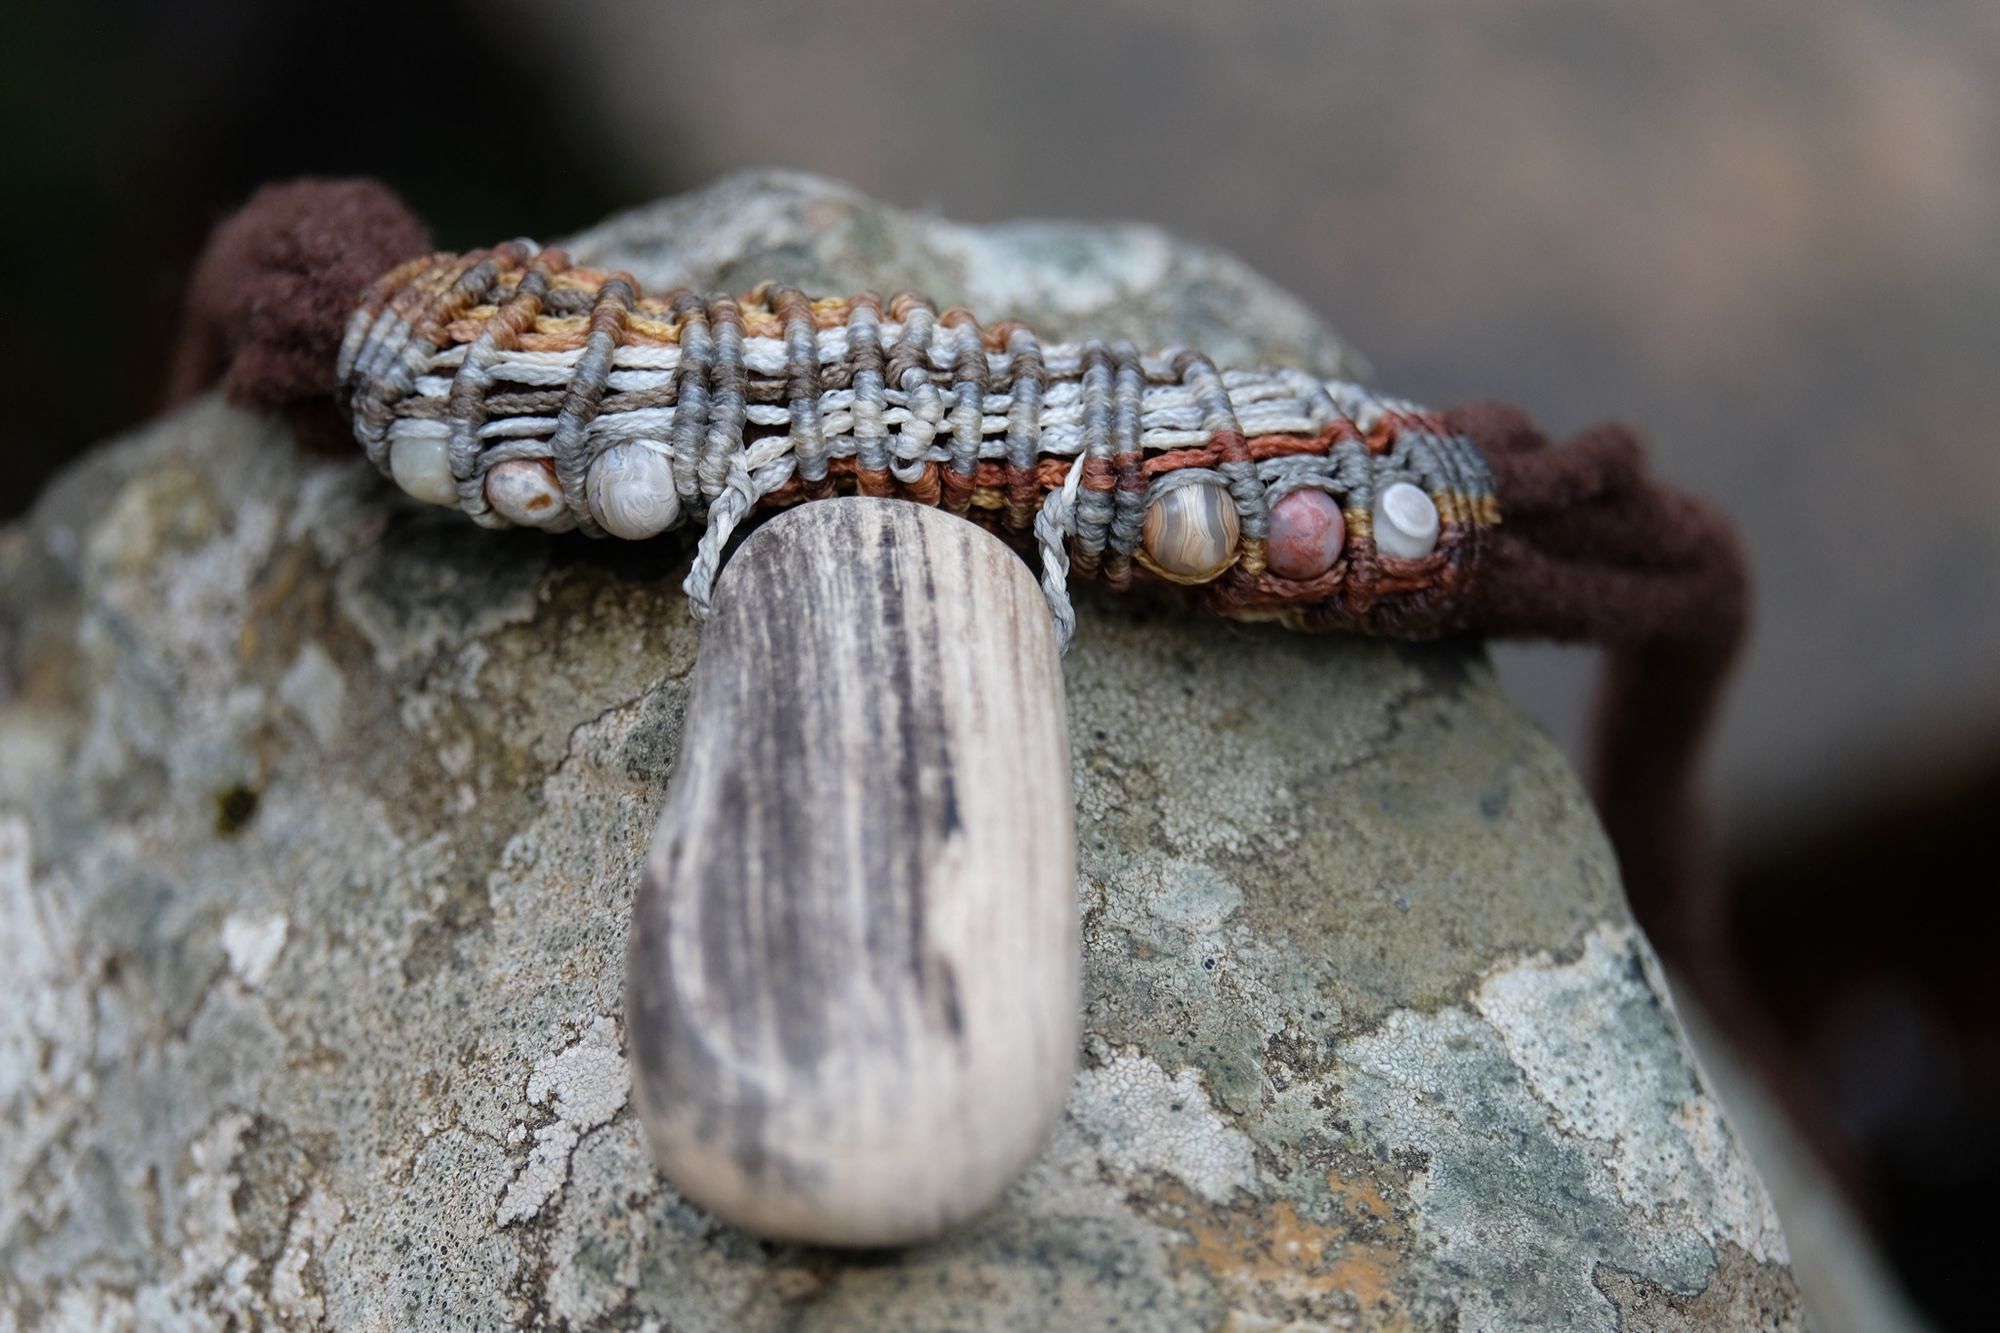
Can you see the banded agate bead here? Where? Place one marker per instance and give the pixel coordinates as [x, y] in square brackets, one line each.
[1307, 532]
[1406, 522]
[1190, 531]
[525, 491]
[630, 489]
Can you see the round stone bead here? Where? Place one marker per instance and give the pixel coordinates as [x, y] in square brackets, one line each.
[1190, 531]
[422, 467]
[1406, 522]
[631, 493]
[1307, 533]
[525, 491]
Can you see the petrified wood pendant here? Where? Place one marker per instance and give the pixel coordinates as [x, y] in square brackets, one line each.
[852, 994]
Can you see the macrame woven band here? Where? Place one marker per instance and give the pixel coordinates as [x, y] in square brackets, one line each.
[778, 398]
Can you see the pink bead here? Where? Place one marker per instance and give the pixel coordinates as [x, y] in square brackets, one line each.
[1307, 533]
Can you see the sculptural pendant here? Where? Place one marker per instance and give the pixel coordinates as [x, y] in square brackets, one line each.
[852, 995]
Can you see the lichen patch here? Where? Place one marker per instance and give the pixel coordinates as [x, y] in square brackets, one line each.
[1146, 1120]
[252, 945]
[1596, 1040]
[588, 1083]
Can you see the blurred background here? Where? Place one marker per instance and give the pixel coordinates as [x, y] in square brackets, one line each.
[1770, 235]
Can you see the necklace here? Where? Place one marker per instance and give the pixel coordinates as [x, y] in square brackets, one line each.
[526, 392]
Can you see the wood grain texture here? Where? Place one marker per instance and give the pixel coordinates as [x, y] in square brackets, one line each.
[853, 987]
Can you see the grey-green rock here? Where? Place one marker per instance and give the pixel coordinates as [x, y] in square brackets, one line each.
[320, 814]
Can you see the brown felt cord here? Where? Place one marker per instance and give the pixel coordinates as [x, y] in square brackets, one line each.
[270, 296]
[1590, 547]
[1593, 549]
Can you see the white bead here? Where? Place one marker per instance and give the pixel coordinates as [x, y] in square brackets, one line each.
[423, 469]
[631, 491]
[525, 491]
[1406, 522]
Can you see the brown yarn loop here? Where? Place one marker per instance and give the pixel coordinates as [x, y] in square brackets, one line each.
[1592, 548]
[272, 292]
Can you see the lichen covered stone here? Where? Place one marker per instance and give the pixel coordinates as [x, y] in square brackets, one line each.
[320, 813]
